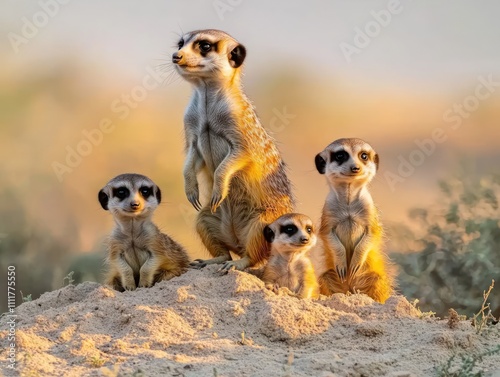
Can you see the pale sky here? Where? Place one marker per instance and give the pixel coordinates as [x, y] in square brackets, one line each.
[427, 44]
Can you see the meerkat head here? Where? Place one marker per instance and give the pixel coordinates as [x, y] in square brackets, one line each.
[130, 196]
[208, 54]
[291, 233]
[348, 160]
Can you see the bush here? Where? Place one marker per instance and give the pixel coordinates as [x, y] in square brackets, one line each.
[459, 252]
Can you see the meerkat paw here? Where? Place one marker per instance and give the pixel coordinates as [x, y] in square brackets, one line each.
[129, 287]
[341, 272]
[354, 269]
[273, 287]
[200, 263]
[145, 283]
[239, 264]
[128, 283]
[216, 201]
[193, 196]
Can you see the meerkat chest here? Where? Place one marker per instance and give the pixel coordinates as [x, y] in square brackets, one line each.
[210, 120]
[294, 276]
[135, 251]
[350, 222]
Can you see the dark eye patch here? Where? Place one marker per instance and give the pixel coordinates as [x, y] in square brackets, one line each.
[205, 47]
[146, 191]
[340, 157]
[180, 44]
[289, 229]
[364, 156]
[121, 192]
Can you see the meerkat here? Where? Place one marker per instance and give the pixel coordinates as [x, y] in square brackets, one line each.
[351, 232]
[139, 255]
[225, 143]
[291, 237]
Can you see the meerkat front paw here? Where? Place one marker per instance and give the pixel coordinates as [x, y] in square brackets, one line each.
[341, 269]
[193, 196]
[129, 287]
[216, 200]
[239, 264]
[145, 282]
[273, 287]
[128, 283]
[354, 269]
[218, 196]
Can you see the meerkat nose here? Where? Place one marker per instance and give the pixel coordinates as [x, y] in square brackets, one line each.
[355, 169]
[135, 205]
[304, 239]
[176, 57]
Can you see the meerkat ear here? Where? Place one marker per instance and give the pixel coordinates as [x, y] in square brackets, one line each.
[103, 199]
[237, 56]
[376, 160]
[320, 163]
[268, 234]
[158, 194]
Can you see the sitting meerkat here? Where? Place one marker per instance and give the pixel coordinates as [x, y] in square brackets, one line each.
[291, 237]
[139, 255]
[245, 177]
[350, 232]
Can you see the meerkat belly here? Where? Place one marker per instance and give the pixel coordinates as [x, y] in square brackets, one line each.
[213, 149]
[291, 281]
[135, 256]
[349, 233]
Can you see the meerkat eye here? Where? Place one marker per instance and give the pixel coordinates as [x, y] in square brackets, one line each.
[121, 192]
[289, 229]
[309, 229]
[180, 44]
[340, 156]
[363, 156]
[145, 192]
[205, 46]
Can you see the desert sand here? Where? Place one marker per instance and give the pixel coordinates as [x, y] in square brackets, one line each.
[205, 324]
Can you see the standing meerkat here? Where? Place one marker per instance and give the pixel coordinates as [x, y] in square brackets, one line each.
[350, 232]
[291, 237]
[139, 255]
[225, 142]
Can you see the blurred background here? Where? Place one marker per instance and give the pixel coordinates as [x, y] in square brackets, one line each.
[87, 92]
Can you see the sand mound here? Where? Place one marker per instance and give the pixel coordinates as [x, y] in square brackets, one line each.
[204, 324]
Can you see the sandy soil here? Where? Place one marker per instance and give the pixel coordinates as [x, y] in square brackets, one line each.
[204, 324]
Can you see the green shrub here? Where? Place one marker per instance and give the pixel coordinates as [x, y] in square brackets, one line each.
[459, 252]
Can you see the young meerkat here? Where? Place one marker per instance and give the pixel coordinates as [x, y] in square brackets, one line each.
[291, 237]
[351, 233]
[139, 255]
[225, 142]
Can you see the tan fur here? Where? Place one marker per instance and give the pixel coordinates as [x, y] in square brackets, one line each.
[225, 142]
[139, 255]
[351, 233]
[289, 264]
